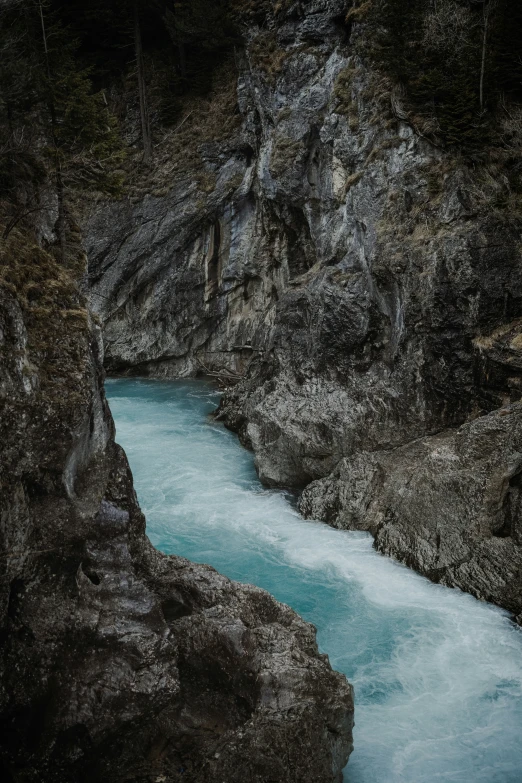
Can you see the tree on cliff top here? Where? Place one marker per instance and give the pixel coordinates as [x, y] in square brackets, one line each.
[51, 115]
[454, 57]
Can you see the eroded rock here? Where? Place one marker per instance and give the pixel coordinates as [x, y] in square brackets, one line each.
[366, 288]
[117, 662]
[448, 505]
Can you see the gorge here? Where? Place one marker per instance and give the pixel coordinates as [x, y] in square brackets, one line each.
[437, 675]
[317, 205]
[361, 283]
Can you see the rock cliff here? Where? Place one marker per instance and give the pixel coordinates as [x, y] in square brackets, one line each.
[116, 662]
[361, 283]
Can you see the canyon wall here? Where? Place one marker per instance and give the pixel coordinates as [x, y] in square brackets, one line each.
[117, 662]
[362, 285]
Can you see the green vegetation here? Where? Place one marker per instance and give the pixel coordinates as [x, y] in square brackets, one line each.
[458, 60]
[268, 56]
[85, 86]
[284, 153]
[53, 126]
[46, 296]
[92, 92]
[343, 90]
[171, 46]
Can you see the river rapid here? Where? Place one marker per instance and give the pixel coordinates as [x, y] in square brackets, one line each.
[437, 674]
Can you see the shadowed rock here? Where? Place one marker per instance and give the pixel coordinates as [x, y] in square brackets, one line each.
[117, 662]
[368, 293]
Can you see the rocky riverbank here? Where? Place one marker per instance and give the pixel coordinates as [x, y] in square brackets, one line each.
[118, 662]
[360, 282]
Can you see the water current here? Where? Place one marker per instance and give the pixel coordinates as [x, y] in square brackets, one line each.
[437, 674]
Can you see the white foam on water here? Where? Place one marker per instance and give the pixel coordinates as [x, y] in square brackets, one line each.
[437, 674]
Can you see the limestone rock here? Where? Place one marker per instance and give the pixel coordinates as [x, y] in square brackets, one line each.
[361, 281]
[117, 662]
[449, 505]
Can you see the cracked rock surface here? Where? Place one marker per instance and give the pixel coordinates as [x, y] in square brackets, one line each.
[119, 663]
[362, 284]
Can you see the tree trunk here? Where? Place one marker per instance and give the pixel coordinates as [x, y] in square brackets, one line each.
[144, 112]
[182, 61]
[60, 190]
[484, 49]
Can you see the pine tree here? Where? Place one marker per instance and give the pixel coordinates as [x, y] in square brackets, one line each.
[142, 87]
[73, 136]
[507, 44]
[201, 30]
[452, 57]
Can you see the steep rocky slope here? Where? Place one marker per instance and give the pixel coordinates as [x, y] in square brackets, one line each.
[118, 663]
[364, 285]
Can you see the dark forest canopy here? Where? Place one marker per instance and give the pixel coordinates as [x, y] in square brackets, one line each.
[184, 39]
[458, 63]
[457, 59]
[181, 42]
[60, 62]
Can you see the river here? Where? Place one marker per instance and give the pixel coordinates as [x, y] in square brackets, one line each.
[437, 674]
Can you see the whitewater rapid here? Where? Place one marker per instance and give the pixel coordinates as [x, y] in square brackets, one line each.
[437, 674]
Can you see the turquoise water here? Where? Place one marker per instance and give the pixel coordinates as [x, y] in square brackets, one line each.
[437, 675]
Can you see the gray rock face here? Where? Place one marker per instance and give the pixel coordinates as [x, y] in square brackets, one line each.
[363, 284]
[117, 662]
[447, 505]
